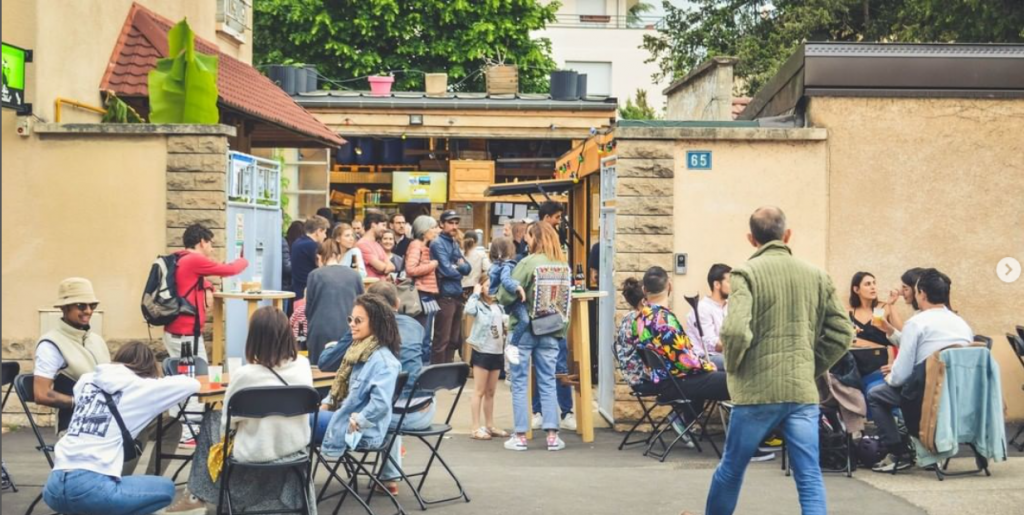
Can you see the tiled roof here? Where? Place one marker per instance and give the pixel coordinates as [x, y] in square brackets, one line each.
[242, 88]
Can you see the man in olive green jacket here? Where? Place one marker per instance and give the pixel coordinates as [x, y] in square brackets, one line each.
[785, 327]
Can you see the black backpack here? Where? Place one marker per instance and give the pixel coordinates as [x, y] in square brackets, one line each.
[161, 303]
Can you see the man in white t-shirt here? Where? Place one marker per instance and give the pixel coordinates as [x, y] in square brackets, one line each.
[712, 313]
[931, 330]
[70, 350]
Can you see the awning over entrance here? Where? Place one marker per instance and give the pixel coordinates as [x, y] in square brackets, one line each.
[244, 91]
[531, 188]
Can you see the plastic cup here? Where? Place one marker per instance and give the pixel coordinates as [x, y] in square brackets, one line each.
[216, 374]
[879, 317]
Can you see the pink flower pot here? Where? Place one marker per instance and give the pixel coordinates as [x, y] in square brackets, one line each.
[381, 86]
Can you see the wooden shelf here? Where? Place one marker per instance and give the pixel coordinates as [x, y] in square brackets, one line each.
[360, 178]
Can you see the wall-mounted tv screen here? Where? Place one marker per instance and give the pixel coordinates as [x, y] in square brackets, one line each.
[419, 187]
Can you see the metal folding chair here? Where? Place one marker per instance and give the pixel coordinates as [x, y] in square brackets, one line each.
[25, 389]
[681, 407]
[263, 402]
[362, 466]
[980, 338]
[1017, 344]
[10, 371]
[646, 410]
[170, 366]
[432, 379]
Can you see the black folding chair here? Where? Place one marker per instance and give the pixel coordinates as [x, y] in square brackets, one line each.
[432, 379]
[271, 401]
[1017, 344]
[25, 389]
[980, 338]
[646, 410]
[10, 371]
[170, 366]
[363, 466]
[682, 407]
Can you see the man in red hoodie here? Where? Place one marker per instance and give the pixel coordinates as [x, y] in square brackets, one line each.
[194, 264]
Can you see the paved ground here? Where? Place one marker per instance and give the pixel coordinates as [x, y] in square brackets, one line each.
[597, 479]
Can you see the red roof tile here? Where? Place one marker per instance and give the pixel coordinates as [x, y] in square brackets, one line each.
[143, 40]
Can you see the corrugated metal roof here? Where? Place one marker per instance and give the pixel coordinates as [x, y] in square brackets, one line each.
[143, 40]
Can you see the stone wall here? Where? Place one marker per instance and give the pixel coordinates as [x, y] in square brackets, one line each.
[703, 94]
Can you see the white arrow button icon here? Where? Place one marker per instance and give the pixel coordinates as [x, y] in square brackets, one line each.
[1008, 270]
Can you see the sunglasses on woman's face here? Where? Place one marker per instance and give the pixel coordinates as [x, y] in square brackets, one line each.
[355, 320]
[81, 306]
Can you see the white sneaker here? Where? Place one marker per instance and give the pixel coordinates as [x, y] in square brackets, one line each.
[555, 443]
[512, 354]
[538, 421]
[568, 423]
[516, 443]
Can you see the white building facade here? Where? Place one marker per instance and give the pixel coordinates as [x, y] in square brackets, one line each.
[598, 38]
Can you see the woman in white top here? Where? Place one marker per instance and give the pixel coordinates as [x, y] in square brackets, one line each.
[86, 477]
[346, 237]
[273, 360]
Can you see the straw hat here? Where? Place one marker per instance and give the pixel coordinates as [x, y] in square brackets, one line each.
[75, 290]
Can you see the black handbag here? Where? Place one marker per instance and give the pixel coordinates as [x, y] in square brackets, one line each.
[132, 449]
[547, 324]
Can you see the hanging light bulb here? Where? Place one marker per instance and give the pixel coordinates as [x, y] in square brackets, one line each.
[359, 151]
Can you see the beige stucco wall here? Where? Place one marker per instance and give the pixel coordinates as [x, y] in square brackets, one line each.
[713, 207]
[79, 206]
[934, 183]
[73, 42]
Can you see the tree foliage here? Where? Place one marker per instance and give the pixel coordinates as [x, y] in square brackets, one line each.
[349, 39]
[638, 110]
[763, 33]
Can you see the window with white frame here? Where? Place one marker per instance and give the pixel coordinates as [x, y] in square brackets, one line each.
[234, 15]
[599, 76]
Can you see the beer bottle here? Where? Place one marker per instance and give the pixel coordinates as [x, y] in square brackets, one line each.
[580, 282]
[182, 362]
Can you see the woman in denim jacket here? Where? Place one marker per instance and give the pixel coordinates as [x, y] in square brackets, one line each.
[358, 410]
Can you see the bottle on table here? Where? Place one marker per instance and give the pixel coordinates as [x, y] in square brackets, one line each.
[182, 360]
[579, 282]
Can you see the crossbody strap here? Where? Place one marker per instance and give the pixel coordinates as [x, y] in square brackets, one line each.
[272, 371]
[127, 442]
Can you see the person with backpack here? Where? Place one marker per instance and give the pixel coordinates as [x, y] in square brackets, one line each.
[113, 405]
[547, 280]
[194, 264]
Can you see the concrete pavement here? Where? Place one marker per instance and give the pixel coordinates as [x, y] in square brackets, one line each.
[598, 479]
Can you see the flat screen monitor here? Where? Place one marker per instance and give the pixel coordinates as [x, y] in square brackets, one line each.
[419, 187]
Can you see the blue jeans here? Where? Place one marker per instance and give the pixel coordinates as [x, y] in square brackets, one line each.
[428, 332]
[544, 350]
[564, 392]
[748, 427]
[88, 493]
[518, 312]
[413, 421]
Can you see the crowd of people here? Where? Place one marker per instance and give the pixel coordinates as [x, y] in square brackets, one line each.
[378, 297]
[373, 298]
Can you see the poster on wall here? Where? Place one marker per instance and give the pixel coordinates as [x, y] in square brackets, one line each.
[14, 78]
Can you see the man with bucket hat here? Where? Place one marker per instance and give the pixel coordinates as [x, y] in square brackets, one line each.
[71, 349]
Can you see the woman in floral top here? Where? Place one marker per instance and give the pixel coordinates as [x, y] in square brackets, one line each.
[658, 328]
[630, 365]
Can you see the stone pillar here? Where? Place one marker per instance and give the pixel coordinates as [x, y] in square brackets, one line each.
[197, 193]
[644, 235]
[703, 94]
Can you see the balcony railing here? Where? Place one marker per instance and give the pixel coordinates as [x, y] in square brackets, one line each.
[606, 21]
